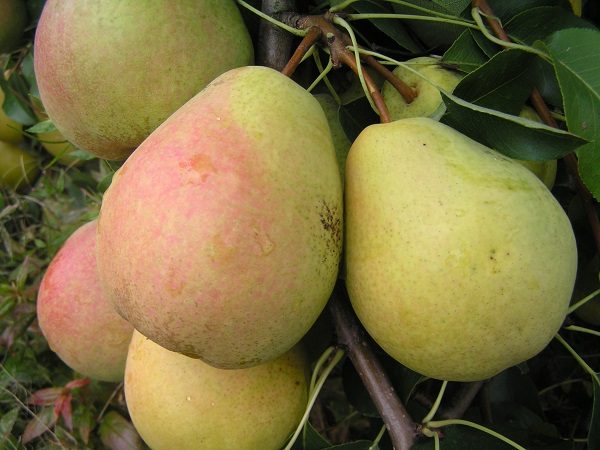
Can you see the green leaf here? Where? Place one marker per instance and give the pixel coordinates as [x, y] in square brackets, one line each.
[358, 445]
[594, 433]
[486, 46]
[14, 107]
[453, 6]
[539, 23]
[29, 74]
[356, 392]
[310, 439]
[511, 135]
[505, 9]
[576, 57]
[503, 83]
[117, 433]
[7, 422]
[464, 438]
[394, 29]
[42, 127]
[465, 54]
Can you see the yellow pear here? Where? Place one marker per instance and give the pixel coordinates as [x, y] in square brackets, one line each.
[176, 402]
[10, 131]
[428, 99]
[460, 263]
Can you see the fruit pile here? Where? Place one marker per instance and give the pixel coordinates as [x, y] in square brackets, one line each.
[219, 241]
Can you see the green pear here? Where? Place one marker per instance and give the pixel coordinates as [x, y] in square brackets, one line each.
[110, 71]
[460, 263]
[13, 20]
[76, 318]
[340, 140]
[544, 170]
[220, 236]
[10, 131]
[18, 168]
[429, 99]
[176, 402]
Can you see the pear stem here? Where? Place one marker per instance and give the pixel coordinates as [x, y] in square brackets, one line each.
[408, 93]
[544, 112]
[313, 35]
[402, 429]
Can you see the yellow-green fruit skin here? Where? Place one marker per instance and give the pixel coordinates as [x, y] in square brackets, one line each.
[176, 402]
[13, 20]
[460, 263]
[110, 71]
[17, 167]
[340, 140]
[428, 98]
[56, 144]
[10, 131]
[220, 236]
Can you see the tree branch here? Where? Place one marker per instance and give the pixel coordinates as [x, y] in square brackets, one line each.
[462, 400]
[274, 45]
[401, 427]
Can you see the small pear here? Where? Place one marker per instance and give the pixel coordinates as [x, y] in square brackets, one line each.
[13, 20]
[429, 99]
[176, 402]
[10, 131]
[18, 168]
[77, 319]
[460, 263]
[220, 236]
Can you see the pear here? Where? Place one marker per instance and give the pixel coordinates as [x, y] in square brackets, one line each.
[428, 100]
[110, 71]
[176, 402]
[10, 131]
[460, 263]
[77, 319]
[340, 140]
[13, 20]
[18, 168]
[220, 236]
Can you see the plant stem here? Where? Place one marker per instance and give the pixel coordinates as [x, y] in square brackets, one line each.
[463, 399]
[578, 358]
[583, 330]
[313, 35]
[583, 301]
[436, 404]
[452, 21]
[444, 423]
[401, 427]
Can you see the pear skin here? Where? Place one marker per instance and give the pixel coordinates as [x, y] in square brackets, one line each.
[110, 71]
[13, 20]
[220, 236]
[18, 168]
[76, 318]
[176, 402]
[460, 263]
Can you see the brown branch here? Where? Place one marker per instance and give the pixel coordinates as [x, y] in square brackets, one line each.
[544, 112]
[274, 45]
[401, 428]
[313, 35]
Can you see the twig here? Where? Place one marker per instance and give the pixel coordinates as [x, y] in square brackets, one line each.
[404, 89]
[544, 112]
[313, 35]
[274, 45]
[402, 429]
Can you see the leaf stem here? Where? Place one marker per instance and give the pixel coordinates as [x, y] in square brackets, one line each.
[323, 73]
[436, 404]
[330, 87]
[583, 301]
[583, 330]
[273, 21]
[453, 21]
[578, 358]
[444, 423]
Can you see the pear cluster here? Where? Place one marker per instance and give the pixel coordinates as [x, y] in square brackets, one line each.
[219, 240]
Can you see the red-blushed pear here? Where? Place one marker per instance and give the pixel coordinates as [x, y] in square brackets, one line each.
[220, 236]
[110, 71]
[459, 261]
[177, 402]
[13, 20]
[76, 318]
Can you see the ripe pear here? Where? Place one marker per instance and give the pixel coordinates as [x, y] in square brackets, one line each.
[17, 167]
[340, 140]
[220, 236]
[110, 71]
[77, 319]
[13, 20]
[429, 99]
[177, 402]
[544, 170]
[460, 263]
